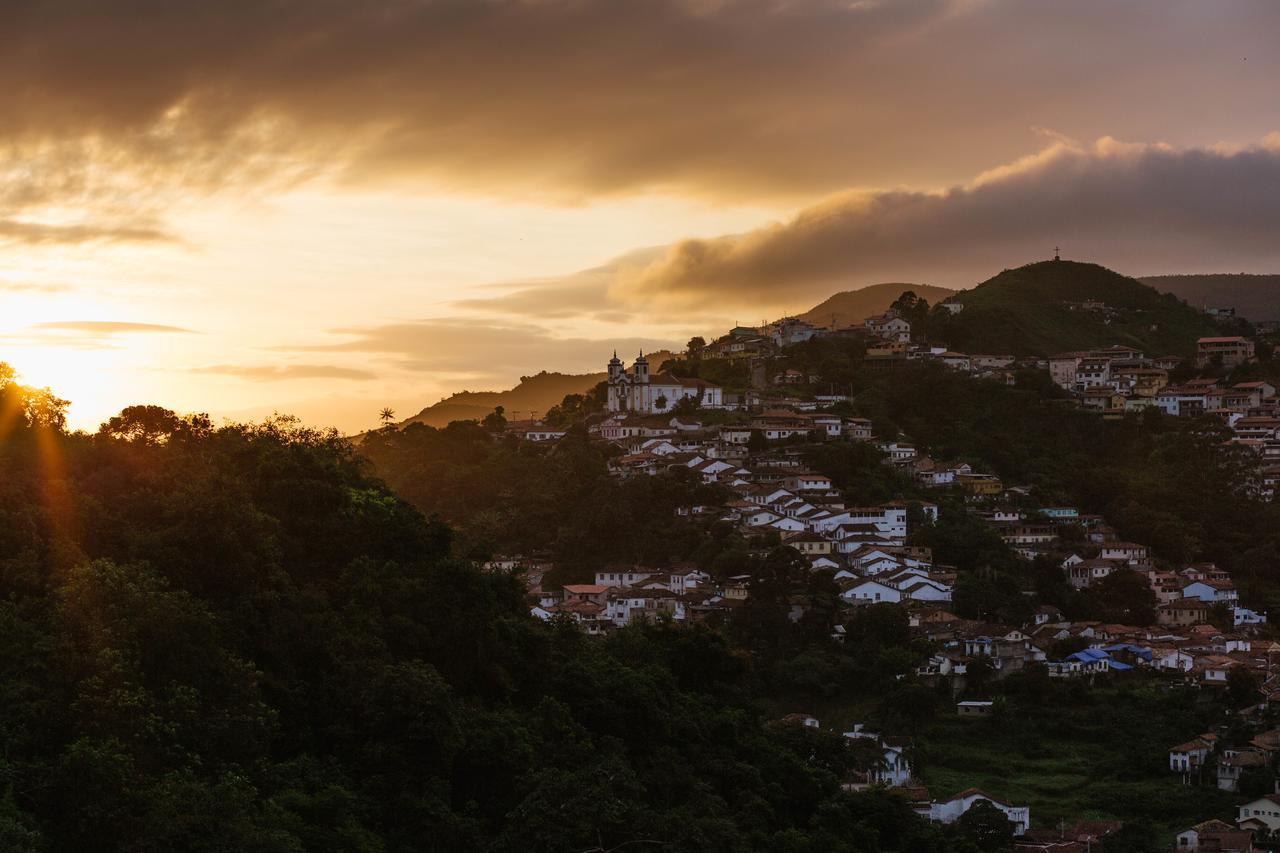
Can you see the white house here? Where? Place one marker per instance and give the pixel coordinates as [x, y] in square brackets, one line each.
[925, 589]
[1265, 811]
[872, 592]
[1245, 616]
[616, 576]
[895, 767]
[950, 810]
[890, 327]
[1189, 756]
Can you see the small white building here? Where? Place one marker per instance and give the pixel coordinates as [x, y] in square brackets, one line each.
[872, 592]
[1264, 811]
[950, 810]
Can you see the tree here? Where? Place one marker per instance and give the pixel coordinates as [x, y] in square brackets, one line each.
[1126, 597]
[756, 442]
[978, 674]
[387, 415]
[987, 827]
[496, 420]
[686, 406]
[660, 402]
[913, 309]
[151, 425]
[1242, 686]
[696, 345]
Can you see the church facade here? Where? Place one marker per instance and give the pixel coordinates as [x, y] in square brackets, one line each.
[655, 394]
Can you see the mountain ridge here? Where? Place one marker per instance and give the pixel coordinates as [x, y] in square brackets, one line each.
[1254, 296]
[852, 307]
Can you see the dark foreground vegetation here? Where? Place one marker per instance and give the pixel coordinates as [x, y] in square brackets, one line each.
[233, 639]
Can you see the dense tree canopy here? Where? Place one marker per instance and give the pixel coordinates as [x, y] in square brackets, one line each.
[234, 639]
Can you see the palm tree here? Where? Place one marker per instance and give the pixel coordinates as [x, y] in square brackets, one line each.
[387, 415]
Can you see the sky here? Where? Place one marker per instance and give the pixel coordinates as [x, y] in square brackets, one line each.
[324, 207]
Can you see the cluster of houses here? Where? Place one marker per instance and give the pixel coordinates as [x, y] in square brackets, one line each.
[864, 546]
[772, 490]
[1199, 654]
[1207, 758]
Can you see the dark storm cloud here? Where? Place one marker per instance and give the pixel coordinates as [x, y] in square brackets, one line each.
[1139, 208]
[1142, 209]
[727, 98]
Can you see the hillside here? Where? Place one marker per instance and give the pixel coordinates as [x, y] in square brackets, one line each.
[851, 307]
[1038, 310]
[1255, 297]
[534, 394]
[531, 398]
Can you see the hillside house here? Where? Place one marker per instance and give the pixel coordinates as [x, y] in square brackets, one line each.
[1183, 612]
[950, 809]
[872, 592]
[1230, 351]
[1124, 552]
[1214, 836]
[1211, 591]
[1234, 763]
[1192, 755]
[889, 327]
[1260, 814]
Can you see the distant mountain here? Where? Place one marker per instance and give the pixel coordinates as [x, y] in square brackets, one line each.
[534, 394]
[1255, 297]
[851, 307]
[1039, 309]
[531, 398]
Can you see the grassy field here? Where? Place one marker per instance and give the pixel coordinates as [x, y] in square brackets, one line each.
[1101, 757]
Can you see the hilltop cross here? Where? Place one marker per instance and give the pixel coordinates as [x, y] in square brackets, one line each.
[1055, 254]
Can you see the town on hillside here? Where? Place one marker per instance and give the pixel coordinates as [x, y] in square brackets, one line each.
[751, 434]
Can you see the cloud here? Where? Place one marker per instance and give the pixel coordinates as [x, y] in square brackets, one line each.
[1140, 208]
[86, 334]
[573, 98]
[276, 373]
[109, 327]
[36, 233]
[31, 287]
[484, 351]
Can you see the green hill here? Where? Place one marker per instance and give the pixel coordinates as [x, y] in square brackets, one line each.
[1058, 306]
[531, 398]
[1255, 297]
[534, 394]
[851, 307]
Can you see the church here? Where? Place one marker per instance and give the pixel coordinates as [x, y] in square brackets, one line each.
[655, 394]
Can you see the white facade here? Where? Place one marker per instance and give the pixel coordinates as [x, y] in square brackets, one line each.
[872, 592]
[641, 392]
[949, 811]
[1265, 810]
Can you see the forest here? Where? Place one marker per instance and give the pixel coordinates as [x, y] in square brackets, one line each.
[235, 638]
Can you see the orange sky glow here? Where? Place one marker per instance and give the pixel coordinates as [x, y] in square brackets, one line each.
[332, 206]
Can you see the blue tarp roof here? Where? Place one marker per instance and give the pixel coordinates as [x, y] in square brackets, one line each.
[1145, 654]
[1115, 664]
